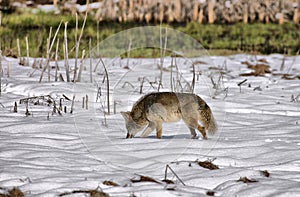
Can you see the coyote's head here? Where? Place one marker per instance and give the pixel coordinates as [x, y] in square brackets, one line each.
[131, 126]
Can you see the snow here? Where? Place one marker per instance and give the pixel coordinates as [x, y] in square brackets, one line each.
[45, 154]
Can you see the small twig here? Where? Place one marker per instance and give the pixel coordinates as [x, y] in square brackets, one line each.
[128, 51]
[107, 86]
[105, 122]
[27, 113]
[46, 98]
[166, 173]
[241, 83]
[171, 76]
[86, 102]
[295, 98]
[282, 63]
[115, 107]
[127, 83]
[67, 98]
[213, 83]
[72, 106]
[99, 94]
[83, 102]
[60, 104]
[193, 81]
[54, 108]
[141, 84]
[8, 69]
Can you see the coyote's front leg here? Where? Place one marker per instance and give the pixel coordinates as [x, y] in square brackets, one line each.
[158, 130]
[149, 129]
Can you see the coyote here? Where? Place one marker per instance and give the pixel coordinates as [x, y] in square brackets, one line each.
[156, 108]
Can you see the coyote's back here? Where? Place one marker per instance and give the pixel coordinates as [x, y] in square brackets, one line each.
[156, 108]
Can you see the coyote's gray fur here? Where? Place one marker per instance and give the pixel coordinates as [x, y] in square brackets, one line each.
[156, 108]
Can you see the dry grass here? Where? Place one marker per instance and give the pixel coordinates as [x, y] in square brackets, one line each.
[168, 181]
[15, 192]
[260, 69]
[208, 164]
[210, 193]
[265, 173]
[144, 179]
[110, 183]
[246, 180]
[93, 193]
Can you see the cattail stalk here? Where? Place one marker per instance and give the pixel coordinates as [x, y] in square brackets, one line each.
[296, 15]
[48, 54]
[195, 10]
[211, 17]
[18, 46]
[86, 102]
[76, 48]
[245, 14]
[27, 50]
[49, 48]
[90, 56]
[72, 106]
[66, 53]
[15, 108]
[56, 59]
[8, 69]
[81, 66]
[79, 39]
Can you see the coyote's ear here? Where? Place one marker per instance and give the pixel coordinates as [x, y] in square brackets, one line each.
[126, 115]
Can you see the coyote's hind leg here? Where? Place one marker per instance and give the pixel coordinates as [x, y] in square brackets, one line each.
[193, 124]
[193, 133]
[202, 130]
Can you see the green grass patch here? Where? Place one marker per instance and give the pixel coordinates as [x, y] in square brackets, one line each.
[218, 39]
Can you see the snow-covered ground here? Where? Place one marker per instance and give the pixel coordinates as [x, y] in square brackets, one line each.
[47, 154]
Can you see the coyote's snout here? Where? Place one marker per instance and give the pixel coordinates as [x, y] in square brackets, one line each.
[156, 108]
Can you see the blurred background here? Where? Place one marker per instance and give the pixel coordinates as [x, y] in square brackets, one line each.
[223, 27]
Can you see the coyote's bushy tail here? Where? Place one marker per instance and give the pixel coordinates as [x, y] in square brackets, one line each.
[207, 117]
[212, 125]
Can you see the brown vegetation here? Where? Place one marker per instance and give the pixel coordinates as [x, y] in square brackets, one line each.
[265, 173]
[260, 69]
[247, 180]
[144, 179]
[205, 11]
[93, 193]
[208, 164]
[110, 183]
[14, 192]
